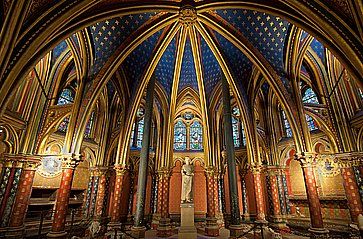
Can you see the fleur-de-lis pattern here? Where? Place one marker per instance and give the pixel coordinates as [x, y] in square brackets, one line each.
[188, 76]
[165, 70]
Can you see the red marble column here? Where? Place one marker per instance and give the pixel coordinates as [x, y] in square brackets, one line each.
[101, 192]
[212, 228]
[120, 172]
[260, 202]
[164, 229]
[59, 219]
[307, 162]
[23, 193]
[351, 190]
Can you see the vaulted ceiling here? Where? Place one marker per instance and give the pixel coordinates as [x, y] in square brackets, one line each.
[244, 36]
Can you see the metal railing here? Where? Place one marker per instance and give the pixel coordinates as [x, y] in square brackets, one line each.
[44, 218]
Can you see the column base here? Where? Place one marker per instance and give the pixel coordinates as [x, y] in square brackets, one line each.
[111, 226]
[58, 235]
[155, 221]
[319, 233]
[212, 228]
[235, 231]
[138, 232]
[278, 222]
[15, 232]
[164, 229]
[246, 217]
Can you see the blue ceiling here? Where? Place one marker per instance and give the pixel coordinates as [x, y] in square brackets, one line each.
[58, 50]
[267, 33]
[164, 71]
[211, 69]
[108, 35]
[319, 49]
[136, 63]
[188, 76]
[239, 65]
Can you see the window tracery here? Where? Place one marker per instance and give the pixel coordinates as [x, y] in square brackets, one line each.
[286, 125]
[196, 136]
[63, 126]
[239, 136]
[88, 131]
[180, 135]
[311, 123]
[309, 96]
[66, 97]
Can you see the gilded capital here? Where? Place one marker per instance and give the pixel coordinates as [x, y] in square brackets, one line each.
[211, 171]
[257, 168]
[71, 161]
[347, 160]
[164, 172]
[306, 159]
[120, 170]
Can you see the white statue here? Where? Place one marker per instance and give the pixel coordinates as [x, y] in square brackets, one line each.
[187, 181]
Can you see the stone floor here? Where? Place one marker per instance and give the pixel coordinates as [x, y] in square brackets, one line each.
[224, 234]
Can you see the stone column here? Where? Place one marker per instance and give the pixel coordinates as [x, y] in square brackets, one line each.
[87, 198]
[259, 197]
[212, 228]
[120, 172]
[164, 229]
[246, 215]
[100, 200]
[307, 162]
[235, 224]
[12, 171]
[274, 199]
[351, 188]
[69, 164]
[139, 225]
[22, 198]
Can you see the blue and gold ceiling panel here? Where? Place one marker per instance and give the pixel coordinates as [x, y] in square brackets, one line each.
[238, 63]
[136, 63]
[319, 49]
[211, 69]
[108, 35]
[164, 72]
[267, 33]
[188, 76]
[58, 50]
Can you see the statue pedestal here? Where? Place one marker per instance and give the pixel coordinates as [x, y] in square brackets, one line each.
[187, 228]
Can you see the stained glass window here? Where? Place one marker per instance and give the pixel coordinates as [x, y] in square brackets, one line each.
[66, 97]
[243, 136]
[196, 136]
[311, 123]
[361, 93]
[64, 125]
[180, 136]
[140, 131]
[286, 124]
[188, 116]
[132, 135]
[236, 135]
[309, 96]
[87, 132]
